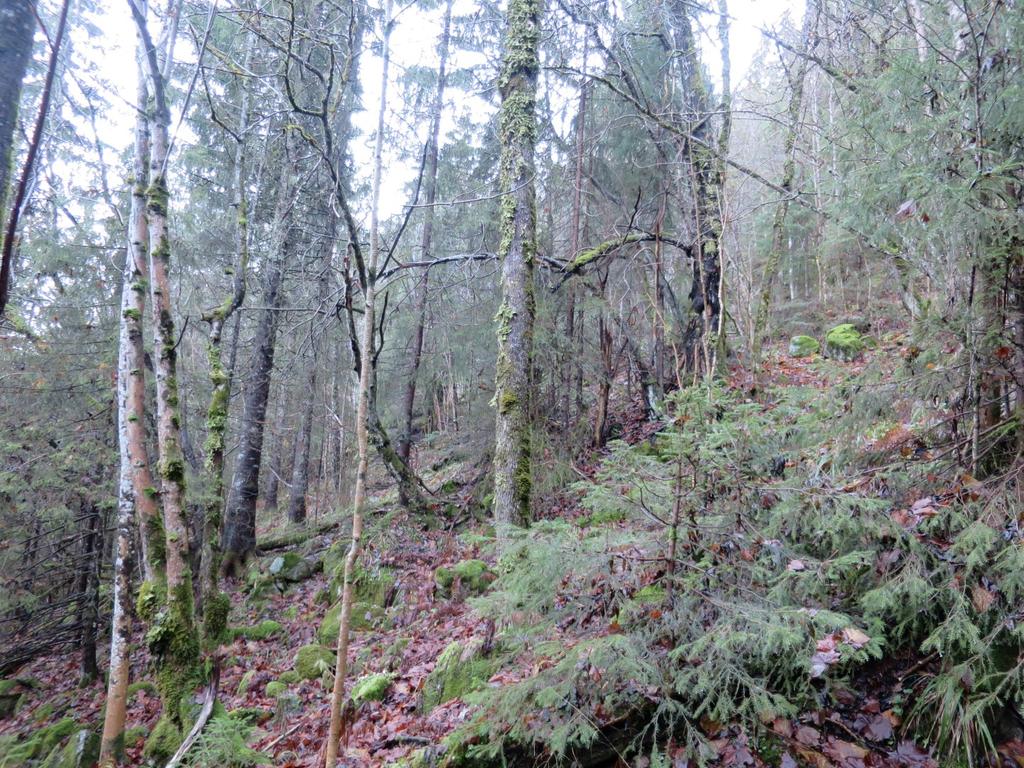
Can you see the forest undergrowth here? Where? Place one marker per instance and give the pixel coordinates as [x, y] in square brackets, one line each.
[782, 571]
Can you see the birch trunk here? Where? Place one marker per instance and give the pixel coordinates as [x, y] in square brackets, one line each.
[362, 412]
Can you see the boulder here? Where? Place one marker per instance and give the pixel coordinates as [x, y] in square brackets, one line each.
[371, 687]
[81, 751]
[844, 342]
[312, 660]
[803, 346]
[471, 577]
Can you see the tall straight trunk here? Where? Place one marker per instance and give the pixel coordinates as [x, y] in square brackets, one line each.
[362, 413]
[771, 266]
[214, 604]
[135, 484]
[274, 469]
[17, 29]
[570, 364]
[303, 439]
[175, 647]
[426, 240]
[518, 131]
[239, 541]
[88, 586]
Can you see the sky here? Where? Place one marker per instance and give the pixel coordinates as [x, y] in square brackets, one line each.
[414, 42]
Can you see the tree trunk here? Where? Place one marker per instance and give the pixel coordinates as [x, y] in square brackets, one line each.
[88, 582]
[771, 266]
[239, 540]
[215, 604]
[303, 439]
[136, 493]
[517, 130]
[362, 413]
[17, 29]
[176, 645]
[426, 240]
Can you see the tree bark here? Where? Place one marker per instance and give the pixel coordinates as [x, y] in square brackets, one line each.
[517, 130]
[426, 240]
[771, 266]
[362, 413]
[239, 541]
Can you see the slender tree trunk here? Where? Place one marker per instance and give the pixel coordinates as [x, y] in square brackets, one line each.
[215, 604]
[517, 130]
[92, 546]
[274, 469]
[362, 413]
[240, 514]
[771, 266]
[303, 439]
[426, 240]
[136, 493]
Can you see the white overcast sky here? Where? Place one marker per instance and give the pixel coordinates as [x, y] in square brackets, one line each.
[414, 41]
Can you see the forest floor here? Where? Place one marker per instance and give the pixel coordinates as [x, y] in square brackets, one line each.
[855, 729]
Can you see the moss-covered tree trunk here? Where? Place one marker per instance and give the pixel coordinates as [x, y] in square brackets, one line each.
[214, 604]
[167, 606]
[239, 541]
[517, 131]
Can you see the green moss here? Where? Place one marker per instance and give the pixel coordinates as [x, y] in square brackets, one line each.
[291, 677]
[250, 715]
[163, 742]
[150, 600]
[311, 661]
[133, 735]
[460, 669]
[844, 342]
[262, 631]
[42, 742]
[473, 576]
[365, 616]
[43, 712]
[131, 313]
[245, 682]
[371, 687]
[275, 688]
[215, 618]
[141, 685]
[803, 346]
[81, 751]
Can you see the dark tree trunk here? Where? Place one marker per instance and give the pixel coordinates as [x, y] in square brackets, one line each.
[88, 589]
[240, 513]
[273, 482]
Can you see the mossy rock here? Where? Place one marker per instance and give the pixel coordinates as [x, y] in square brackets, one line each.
[81, 751]
[42, 743]
[142, 685]
[11, 692]
[292, 567]
[844, 342]
[365, 616]
[803, 346]
[262, 631]
[471, 577]
[371, 687]
[275, 688]
[460, 669]
[312, 660]
[369, 585]
[43, 712]
[135, 734]
[291, 677]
